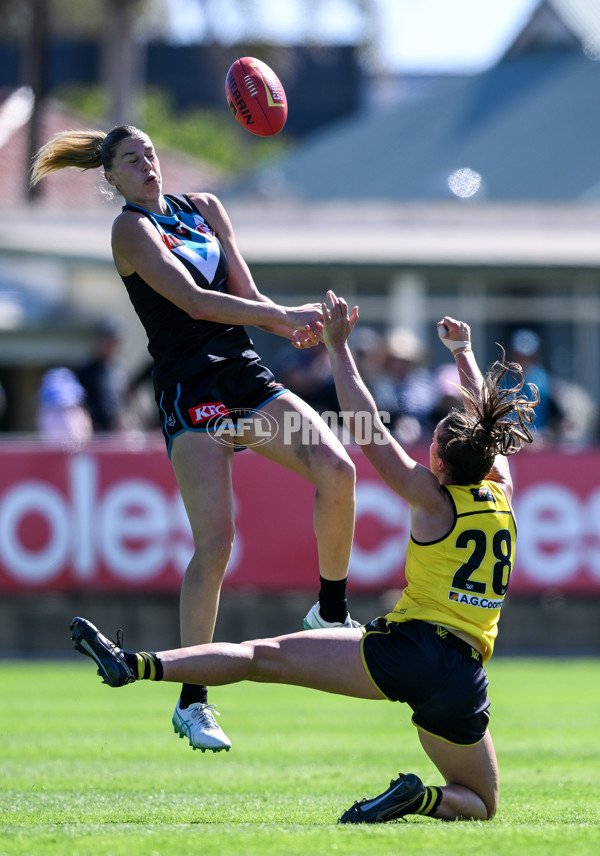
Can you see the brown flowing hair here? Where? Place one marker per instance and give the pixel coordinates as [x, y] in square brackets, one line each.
[499, 425]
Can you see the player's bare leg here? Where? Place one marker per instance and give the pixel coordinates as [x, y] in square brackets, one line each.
[471, 776]
[203, 471]
[305, 445]
[327, 660]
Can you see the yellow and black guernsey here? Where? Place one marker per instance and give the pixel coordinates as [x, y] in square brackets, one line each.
[460, 580]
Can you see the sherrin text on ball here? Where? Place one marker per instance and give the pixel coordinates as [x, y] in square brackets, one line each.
[256, 97]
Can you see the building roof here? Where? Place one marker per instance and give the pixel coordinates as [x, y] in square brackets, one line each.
[553, 24]
[528, 127]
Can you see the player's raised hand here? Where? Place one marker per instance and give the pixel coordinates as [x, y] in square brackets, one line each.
[455, 335]
[337, 323]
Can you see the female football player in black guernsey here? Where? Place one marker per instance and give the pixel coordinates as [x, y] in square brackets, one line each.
[193, 292]
[430, 650]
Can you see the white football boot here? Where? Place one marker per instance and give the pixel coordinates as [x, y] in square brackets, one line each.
[313, 620]
[197, 722]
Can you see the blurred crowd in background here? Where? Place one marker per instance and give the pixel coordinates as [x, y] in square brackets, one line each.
[395, 367]
[518, 231]
[77, 403]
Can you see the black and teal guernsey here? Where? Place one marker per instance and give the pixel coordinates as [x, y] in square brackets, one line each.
[180, 345]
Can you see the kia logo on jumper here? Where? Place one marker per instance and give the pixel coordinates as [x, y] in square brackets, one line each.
[242, 427]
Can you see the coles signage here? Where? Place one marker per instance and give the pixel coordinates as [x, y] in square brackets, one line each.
[110, 518]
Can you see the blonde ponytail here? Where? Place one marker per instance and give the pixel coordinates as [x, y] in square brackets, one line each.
[81, 149]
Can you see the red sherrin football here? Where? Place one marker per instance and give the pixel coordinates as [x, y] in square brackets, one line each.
[256, 97]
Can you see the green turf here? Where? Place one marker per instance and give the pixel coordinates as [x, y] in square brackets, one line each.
[91, 771]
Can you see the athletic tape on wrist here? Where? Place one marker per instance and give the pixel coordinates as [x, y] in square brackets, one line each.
[452, 344]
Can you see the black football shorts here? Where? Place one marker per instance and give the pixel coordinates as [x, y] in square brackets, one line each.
[445, 686]
[226, 390]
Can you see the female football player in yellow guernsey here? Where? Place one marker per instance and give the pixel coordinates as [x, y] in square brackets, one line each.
[429, 652]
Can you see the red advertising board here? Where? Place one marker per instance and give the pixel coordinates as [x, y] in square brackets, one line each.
[110, 518]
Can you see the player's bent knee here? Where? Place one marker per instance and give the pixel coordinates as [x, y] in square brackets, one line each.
[210, 560]
[489, 804]
[339, 468]
[491, 808]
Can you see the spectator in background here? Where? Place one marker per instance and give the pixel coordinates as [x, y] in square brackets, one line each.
[368, 350]
[525, 350]
[308, 374]
[2, 401]
[103, 380]
[62, 416]
[412, 385]
[140, 412]
[579, 412]
[566, 414]
[446, 386]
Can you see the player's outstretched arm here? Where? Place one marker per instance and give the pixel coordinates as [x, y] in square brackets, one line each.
[403, 474]
[240, 282]
[456, 336]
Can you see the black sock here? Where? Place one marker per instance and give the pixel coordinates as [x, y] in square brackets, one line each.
[431, 801]
[147, 666]
[332, 600]
[192, 693]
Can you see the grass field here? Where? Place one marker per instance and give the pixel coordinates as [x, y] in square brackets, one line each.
[91, 771]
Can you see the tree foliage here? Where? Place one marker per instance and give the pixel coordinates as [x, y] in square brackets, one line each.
[77, 18]
[209, 135]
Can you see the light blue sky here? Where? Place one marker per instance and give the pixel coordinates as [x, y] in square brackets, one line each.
[416, 35]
